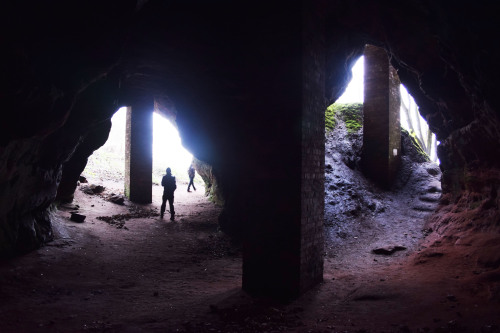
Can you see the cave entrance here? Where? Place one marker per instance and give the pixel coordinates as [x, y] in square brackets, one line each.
[107, 164]
[363, 218]
[410, 118]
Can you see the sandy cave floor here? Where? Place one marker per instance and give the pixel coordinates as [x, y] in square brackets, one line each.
[153, 275]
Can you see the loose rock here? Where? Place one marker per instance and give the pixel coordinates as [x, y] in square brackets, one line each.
[77, 217]
[388, 250]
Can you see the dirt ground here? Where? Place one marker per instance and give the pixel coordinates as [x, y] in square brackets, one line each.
[145, 274]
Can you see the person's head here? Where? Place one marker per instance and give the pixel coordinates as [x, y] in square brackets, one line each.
[169, 171]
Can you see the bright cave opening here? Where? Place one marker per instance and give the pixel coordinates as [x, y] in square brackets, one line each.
[410, 118]
[108, 162]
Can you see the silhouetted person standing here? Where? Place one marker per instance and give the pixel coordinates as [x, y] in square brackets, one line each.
[191, 174]
[169, 186]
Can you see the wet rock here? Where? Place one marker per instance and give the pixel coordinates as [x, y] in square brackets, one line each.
[92, 189]
[69, 206]
[388, 250]
[117, 199]
[119, 220]
[433, 169]
[75, 217]
[422, 207]
[430, 197]
[434, 187]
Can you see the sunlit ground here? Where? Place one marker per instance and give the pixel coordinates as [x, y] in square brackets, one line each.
[109, 160]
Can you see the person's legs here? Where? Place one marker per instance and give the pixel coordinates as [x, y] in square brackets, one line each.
[171, 205]
[191, 183]
[163, 205]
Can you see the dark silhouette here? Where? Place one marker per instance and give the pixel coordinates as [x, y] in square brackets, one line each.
[169, 186]
[191, 173]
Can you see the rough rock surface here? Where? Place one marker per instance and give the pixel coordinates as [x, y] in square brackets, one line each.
[352, 202]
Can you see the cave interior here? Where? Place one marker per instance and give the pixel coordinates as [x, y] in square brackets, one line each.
[247, 84]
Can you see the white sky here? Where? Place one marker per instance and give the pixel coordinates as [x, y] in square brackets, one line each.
[354, 92]
[167, 148]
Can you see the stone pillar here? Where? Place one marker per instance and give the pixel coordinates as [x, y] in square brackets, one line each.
[380, 158]
[139, 151]
[313, 148]
[283, 249]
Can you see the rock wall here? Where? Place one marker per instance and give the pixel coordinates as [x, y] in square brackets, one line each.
[212, 189]
[444, 57]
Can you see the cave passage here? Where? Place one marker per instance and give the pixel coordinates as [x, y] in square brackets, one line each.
[108, 162]
[250, 101]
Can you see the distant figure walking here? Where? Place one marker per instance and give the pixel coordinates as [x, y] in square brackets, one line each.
[169, 186]
[191, 173]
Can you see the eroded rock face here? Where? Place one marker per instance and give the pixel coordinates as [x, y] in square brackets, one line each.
[212, 189]
[55, 89]
[69, 66]
[445, 60]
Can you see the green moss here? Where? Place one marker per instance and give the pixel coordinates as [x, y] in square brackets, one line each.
[350, 113]
[416, 143]
[330, 121]
[353, 116]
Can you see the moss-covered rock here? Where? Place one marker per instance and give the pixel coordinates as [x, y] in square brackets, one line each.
[350, 113]
[330, 121]
[412, 147]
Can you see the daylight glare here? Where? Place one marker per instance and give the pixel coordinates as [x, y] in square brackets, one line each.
[167, 147]
[354, 91]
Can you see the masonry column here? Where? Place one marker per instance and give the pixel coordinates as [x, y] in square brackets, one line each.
[283, 246]
[380, 158]
[313, 148]
[139, 151]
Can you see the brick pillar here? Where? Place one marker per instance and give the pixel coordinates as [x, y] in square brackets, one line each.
[313, 149]
[380, 158]
[284, 245]
[139, 151]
